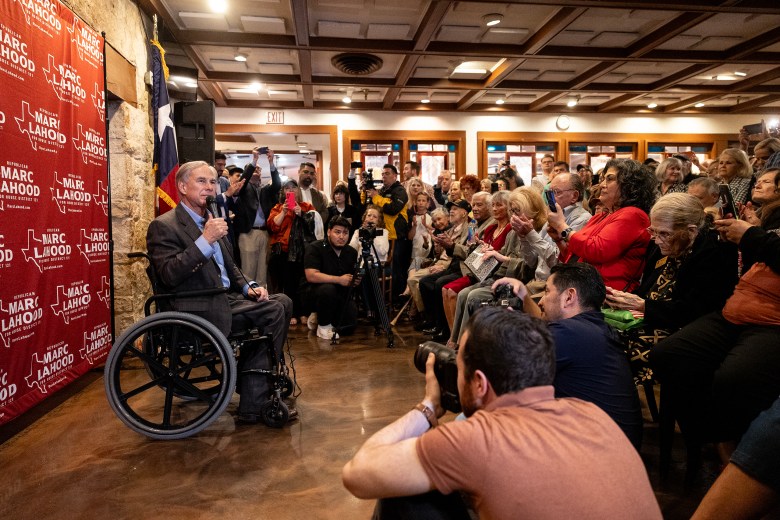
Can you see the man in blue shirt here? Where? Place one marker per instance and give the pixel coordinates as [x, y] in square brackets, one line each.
[590, 362]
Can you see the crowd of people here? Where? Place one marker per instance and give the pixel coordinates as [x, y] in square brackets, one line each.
[656, 240]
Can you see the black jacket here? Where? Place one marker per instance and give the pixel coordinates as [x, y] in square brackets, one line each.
[251, 195]
[704, 282]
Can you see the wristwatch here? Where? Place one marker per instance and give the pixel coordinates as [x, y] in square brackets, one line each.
[428, 413]
[566, 233]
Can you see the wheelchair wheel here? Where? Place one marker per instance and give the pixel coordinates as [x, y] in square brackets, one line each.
[275, 413]
[170, 375]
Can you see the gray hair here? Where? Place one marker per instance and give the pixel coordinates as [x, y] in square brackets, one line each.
[183, 173]
[707, 183]
[680, 210]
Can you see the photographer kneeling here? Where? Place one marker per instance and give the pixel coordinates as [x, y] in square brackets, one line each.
[590, 361]
[329, 266]
[519, 449]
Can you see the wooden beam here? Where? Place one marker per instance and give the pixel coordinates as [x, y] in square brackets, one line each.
[556, 23]
[753, 104]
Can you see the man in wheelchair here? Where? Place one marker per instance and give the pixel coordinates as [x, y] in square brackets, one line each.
[189, 253]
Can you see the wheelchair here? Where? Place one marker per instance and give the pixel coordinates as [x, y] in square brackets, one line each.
[172, 374]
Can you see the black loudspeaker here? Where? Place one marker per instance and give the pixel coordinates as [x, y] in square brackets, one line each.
[194, 122]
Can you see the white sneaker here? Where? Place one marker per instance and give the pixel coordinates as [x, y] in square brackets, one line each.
[326, 332]
[312, 321]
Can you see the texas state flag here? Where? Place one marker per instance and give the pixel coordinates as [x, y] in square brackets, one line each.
[166, 161]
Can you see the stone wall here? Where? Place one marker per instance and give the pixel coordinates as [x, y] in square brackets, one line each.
[130, 141]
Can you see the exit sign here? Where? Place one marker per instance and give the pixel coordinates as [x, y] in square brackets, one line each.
[275, 118]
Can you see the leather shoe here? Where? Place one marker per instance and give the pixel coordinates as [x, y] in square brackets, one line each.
[422, 325]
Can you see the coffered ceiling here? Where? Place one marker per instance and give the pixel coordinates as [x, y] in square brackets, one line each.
[435, 55]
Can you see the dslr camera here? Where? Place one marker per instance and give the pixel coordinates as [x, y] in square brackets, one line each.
[368, 233]
[445, 369]
[503, 297]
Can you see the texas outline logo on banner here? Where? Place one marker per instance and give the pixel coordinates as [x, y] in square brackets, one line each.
[69, 193]
[94, 246]
[87, 42]
[41, 14]
[45, 373]
[72, 302]
[19, 316]
[14, 55]
[65, 81]
[50, 248]
[101, 197]
[91, 144]
[43, 128]
[99, 100]
[95, 342]
[17, 185]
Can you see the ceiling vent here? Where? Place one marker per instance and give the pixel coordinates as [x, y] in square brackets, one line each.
[357, 64]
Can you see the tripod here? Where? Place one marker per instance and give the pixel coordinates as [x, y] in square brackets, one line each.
[370, 265]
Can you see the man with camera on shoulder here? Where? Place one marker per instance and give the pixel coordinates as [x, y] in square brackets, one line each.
[392, 200]
[521, 453]
[591, 363]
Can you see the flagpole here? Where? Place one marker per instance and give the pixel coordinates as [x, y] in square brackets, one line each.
[154, 28]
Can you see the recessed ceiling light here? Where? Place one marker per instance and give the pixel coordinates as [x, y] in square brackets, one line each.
[573, 102]
[652, 105]
[240, 56]
[256, 85]
[492, 19]
[346, 99]
[724, 77]
[740, 73]
[425, 100]
[699, 105]
[500, 101]
[218, 6]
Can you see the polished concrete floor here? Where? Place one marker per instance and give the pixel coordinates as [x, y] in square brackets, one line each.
[79, 461]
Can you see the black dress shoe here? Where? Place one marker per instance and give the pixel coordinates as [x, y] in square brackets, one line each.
[422, 325]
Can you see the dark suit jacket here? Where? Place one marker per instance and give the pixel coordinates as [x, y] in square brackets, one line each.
[251, 195]
[180, 266]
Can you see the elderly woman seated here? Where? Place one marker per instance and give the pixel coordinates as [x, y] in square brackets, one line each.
[766, 195]
[524, 202]
[688, 273]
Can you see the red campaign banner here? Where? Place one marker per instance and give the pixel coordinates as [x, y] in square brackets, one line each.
[55, 265]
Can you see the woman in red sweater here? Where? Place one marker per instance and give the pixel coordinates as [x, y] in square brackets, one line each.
[615, 240]
[285, 270]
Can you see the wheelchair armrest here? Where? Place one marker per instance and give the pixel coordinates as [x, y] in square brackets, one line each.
[183, 294]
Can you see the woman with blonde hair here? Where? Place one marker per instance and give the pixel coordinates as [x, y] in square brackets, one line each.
[734, 169]
[670, 176]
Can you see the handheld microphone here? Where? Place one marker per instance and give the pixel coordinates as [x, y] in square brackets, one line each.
[211, 203]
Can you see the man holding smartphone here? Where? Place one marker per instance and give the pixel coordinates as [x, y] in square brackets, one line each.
[254, 205]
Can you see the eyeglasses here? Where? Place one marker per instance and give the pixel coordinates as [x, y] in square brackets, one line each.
[559, 192]
[663, 236]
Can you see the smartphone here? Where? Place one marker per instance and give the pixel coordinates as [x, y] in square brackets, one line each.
[551, 200]
[727, 202]
[756, 128]
[356, 165]
[290, 200]
[263, 150]
[493, 187]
